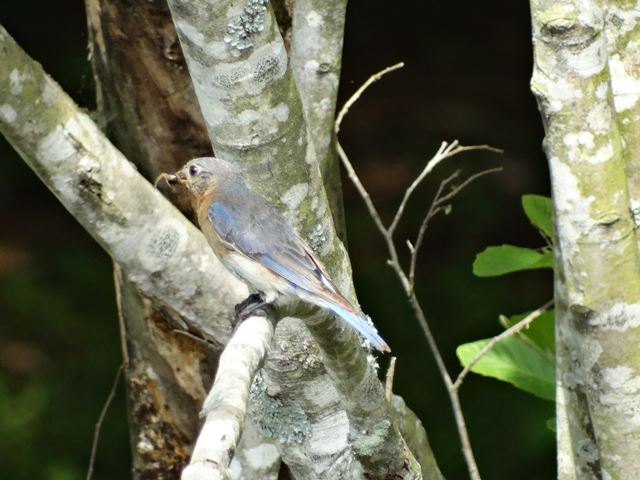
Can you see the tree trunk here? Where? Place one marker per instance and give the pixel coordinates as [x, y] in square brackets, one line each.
[583, 48]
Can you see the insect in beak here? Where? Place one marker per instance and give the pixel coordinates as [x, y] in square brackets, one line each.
[172, 179]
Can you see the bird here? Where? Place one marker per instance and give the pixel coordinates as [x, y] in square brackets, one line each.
[254, 241]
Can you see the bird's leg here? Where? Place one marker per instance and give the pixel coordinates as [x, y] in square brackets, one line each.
[251, 299]
[250, 306]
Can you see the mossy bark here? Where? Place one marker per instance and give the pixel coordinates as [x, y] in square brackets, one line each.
[597, 263]
[316, 59]
[163, 261]
[252, 110]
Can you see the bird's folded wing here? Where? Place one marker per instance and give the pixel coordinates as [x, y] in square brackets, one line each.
[268, 239]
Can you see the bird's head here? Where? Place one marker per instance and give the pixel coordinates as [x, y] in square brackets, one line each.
[202, 174]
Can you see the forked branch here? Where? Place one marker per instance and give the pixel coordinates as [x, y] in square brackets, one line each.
[446, 150]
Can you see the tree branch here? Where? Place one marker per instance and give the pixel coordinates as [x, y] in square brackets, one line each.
[445, 151]
[316, 58]
[164, 255]
[225, 407]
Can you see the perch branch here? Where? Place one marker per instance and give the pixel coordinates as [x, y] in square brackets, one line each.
[225, 407]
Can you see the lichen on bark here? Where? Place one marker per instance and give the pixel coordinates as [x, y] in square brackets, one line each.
[252, 110]
[597, 263]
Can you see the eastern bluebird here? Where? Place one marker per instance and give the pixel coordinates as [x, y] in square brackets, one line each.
[255, 242]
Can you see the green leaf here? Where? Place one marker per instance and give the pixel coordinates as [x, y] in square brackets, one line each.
[538, 209]
[541, 331]
[515, 361]
[496, 260]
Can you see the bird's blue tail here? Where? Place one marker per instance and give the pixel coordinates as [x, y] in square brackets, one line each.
[360, 323]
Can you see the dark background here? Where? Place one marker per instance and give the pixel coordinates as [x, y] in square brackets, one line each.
[466, 77]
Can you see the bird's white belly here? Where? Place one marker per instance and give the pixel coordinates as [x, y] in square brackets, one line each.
[257, 276]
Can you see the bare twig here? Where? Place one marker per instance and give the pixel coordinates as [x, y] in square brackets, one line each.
[372, 79]
[438, 204]
[521, 325]
[394, 262]
[445, 151]
[103, 414]
[434, 208]
[454, 398]
[225, 407]
[388, 384]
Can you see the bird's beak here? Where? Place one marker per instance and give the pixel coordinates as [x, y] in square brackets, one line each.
[180, 176]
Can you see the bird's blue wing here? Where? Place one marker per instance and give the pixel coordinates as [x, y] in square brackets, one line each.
[268, 239]
[258, 231]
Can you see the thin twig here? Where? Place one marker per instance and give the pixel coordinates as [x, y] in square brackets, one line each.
[454, 398]
[388, 384]
[394, 262]
[433, 210]
[521, 325]
[103, 414]
[372, 79]
[437, 206]
[446, 150]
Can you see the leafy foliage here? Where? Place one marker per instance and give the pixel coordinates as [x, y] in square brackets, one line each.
[494, 261]
[527, 359]
[539, 211]
[516, 361]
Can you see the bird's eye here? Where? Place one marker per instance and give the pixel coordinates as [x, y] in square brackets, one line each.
[193, 170]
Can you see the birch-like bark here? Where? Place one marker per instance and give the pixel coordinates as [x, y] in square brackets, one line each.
[225, 407]
[316, 59]
[250, 104]
[156, 413]
[622, 19]
[597, 264]
[256, 455]
[163, 254]
[297, 405]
